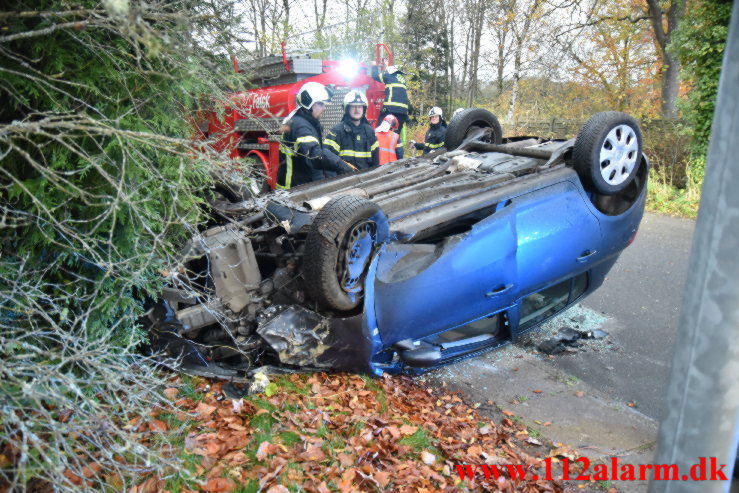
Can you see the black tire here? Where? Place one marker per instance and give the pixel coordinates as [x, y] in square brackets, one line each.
[333, 232]
[469, 120]
[607, 135]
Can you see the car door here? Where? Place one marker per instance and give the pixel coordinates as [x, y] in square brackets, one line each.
[425, 288]
[558, 235]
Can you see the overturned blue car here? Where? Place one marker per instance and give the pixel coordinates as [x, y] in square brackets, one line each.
[415, 264]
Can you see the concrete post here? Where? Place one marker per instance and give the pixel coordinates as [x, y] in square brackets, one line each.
[702, 405]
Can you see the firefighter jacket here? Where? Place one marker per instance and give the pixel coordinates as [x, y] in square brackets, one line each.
[391, 149]
[396, 94]
[305, 157]
[435, 136]
[355, 144]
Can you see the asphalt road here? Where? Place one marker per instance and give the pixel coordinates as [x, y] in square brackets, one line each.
[642, 300]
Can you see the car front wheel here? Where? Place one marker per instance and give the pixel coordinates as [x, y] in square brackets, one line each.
[338, 251]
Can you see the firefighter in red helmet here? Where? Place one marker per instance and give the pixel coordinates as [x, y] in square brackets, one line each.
[391, 149]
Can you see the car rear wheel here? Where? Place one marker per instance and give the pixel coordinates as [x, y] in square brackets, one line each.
[338, 251]
[607, 152]
[471, 122]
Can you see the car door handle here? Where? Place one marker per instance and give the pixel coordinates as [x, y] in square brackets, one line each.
[586, 255]
[499, 290]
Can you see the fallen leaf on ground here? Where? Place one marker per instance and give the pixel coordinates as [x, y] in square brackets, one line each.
[382, 478]
[408, 430]
[263, 450]
[219, 484]
[278, 488]
[205, 410]
[313, 454]
[171, 393]
[157, 425]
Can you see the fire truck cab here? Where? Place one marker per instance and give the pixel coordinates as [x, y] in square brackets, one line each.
[250, 125]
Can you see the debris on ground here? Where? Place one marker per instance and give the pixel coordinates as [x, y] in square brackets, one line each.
[577, 329]
[568, 337]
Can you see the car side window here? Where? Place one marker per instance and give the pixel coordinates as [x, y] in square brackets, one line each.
[579, 285]
[540, 305]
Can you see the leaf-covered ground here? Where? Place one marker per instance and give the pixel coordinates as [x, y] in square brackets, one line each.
[335, 432]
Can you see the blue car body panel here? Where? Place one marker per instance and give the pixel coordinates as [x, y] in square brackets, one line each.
[534, 240]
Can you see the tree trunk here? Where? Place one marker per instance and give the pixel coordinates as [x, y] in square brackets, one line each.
[501, 61]
[670, 64]
[286, 23]
[450, 57]
[670, 85]
[389, 19]
[465, 63]
[320, 13]
[510, 117]
[475, 62]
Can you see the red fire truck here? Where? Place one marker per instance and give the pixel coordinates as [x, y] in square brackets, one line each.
[250, 126]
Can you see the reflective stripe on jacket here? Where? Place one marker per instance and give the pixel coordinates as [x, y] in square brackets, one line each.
[396, 94]
[435, 136]
[355, 144]
[305, 158]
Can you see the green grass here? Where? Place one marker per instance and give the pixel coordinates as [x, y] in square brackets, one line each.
[289, 438]
[534, 433]
[188, 389]
[372, 385]
[263, 422]
[185, 477]
[176, 484]
[665, 198]
[418, 441]
[262, 404]
[604, 485]
[251, 487]
[357, 428]
[284, 383]
[256, 440]
[322, 431]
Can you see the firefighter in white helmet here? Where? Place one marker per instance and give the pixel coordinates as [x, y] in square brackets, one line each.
[396, 94]
[353, 138]
[305, 157]
[436, 133]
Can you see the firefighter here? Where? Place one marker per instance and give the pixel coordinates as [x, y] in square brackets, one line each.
[353, 138]
[391, 149]
[396, 94]
[436, 133]
[305, 157]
